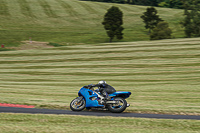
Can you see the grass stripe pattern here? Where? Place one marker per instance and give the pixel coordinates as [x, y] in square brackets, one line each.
[163, 76]
[76, 21]
[68, 8]
[47, 9]
[4, 8]
[25, 8]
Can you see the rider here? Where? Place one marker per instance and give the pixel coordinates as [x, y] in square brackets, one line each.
[105, 89]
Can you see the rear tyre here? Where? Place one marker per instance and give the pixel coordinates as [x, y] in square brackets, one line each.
[119, 107]
[77, 105]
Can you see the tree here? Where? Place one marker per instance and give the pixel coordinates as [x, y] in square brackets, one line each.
[145, 2]
[150, 18]
[191, 22]
[161, 31]
[171, 4]
[113, 23]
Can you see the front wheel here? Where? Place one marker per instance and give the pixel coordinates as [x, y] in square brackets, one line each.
[77, 104]
[119, 107]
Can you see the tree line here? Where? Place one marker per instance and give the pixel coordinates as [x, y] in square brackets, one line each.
[160, 3]
[158, 28]
[113, 21]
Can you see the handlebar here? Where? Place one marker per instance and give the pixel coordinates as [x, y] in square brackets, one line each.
[89, 86]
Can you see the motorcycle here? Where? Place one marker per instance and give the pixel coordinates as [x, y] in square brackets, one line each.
[90, 98]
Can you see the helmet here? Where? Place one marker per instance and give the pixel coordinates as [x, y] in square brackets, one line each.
[102, 82]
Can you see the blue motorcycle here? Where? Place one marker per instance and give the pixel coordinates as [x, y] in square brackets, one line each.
[90, 98]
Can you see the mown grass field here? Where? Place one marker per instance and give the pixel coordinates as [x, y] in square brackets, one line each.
[23, 123]
[73, 21]
[163, 76]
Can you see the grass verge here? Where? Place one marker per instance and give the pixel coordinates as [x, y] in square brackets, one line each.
[65, 123]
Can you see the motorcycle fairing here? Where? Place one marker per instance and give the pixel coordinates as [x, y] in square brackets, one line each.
[120, 93]
[88, 95]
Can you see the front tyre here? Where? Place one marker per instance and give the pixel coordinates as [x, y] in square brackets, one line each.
[77, 104]
[119, 107]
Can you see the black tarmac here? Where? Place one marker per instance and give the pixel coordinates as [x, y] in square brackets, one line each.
[95, 113]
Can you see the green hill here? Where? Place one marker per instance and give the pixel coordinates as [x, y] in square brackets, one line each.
[163, 76]
[72, 21]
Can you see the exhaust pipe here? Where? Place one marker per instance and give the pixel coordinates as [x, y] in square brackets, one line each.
[128, 105]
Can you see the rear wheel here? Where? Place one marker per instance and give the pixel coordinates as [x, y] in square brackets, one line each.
[77, 104]
[119, 107]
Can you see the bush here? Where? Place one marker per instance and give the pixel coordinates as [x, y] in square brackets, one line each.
[161, 31]
[4, 49]
[55, 44]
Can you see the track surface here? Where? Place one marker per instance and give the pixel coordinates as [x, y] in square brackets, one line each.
[99, 113]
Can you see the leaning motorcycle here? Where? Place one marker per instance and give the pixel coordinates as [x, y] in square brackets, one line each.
[90, 98]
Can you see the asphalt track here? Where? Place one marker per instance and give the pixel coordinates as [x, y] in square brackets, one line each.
[94, 113]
